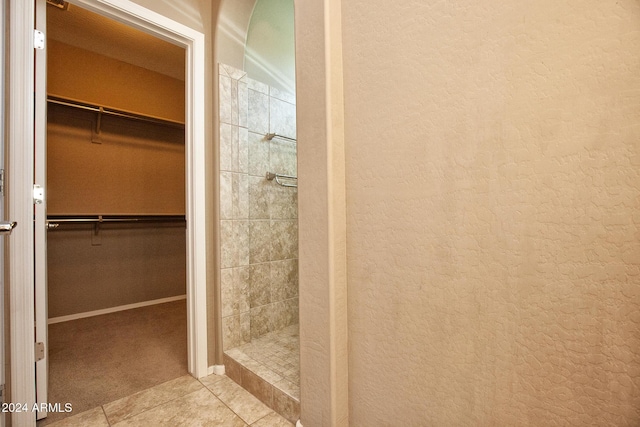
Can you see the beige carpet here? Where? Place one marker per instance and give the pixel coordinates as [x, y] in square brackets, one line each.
[100, 359]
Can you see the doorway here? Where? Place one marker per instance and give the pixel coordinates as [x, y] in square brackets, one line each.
[21, 179]
[116, 254]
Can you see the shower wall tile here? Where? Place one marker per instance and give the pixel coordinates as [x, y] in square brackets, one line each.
[235, 148]
[284, 239]
[243, 104]
[227, 243]
[258, 118]
[234, 101]
[235, 194]
[258, 86]
[243, 150]
[282, 95]
[226, 195]
[260, 235]
[230, 332]
[241, 234]
[245, 327]
[284, 279]
[283, 157]
[228, 293]
[258, 217]
[258, 197]
[233, 72]
[283, 202]
[278, 315]
[240, 196]
[259, 282]
[225, 99]
[282, 118]
[225, 147]
[293, 309]
[258, 154]
[241, 286]
[260, 321]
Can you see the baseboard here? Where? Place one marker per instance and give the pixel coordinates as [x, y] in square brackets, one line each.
[76, 316]
[216, 369]
[298, 424]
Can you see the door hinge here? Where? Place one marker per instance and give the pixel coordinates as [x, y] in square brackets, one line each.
[38, 39]
[39, 351]
[38, 194]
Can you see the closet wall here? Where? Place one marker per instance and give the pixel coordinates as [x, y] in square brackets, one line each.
[113, 166]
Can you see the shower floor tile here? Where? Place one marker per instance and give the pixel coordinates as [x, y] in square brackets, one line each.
[275, 357]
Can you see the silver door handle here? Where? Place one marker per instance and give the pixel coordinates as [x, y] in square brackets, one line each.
[6, 227]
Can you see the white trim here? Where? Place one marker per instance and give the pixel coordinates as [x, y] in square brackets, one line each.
[298, 423]
[40, 217]
[218, 370]
[109, 310]
[20, 209]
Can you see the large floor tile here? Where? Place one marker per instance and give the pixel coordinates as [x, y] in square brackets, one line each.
[200, 408]
[239, 400]
[272, 420]
[93, 417]
[135, 404]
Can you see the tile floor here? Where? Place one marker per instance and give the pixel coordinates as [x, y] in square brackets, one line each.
[215, 400]
[274, 357]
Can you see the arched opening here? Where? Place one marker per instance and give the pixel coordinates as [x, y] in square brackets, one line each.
[258, 201]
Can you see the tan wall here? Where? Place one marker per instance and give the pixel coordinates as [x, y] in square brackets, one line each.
[127, 168]
[123, 264]
[493, 229]
[137, 168]
[79, 74]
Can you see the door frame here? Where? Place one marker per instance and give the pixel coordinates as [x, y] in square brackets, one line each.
[20, 178]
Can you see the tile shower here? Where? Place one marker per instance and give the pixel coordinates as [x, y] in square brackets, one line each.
[259, 239]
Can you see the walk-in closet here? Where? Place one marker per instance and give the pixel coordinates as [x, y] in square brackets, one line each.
[116, 250]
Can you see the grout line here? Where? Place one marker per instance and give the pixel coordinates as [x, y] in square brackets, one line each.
[153, 407]
[105, 415]
[228, 407]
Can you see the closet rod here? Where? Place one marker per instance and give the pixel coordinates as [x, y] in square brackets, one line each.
[113, 112]
[114, 218]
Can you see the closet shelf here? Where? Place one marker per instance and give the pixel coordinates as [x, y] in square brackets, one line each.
[113, 112]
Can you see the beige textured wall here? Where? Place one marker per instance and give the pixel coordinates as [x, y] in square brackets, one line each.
[493, 158]
[321, 212]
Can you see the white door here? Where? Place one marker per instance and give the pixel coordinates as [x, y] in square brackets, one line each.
[40, 212]
[2, 165]
[2, 210]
